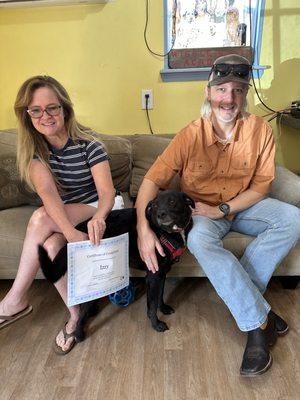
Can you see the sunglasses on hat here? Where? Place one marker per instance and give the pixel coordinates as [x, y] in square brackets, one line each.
[240, 70]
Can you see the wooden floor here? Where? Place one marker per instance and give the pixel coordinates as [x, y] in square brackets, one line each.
[123, 358]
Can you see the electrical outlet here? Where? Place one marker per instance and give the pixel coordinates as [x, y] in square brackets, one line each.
[150, 99]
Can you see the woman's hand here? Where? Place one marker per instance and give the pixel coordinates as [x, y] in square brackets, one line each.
[205, 210]
[147, 243]
[96, 228]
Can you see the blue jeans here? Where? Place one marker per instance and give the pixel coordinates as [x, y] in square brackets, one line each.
[241, 283]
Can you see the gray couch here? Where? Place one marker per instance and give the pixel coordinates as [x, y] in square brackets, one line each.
[131, 156]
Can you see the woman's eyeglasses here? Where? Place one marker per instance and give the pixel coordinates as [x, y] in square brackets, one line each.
[239, 70]
[37, 112]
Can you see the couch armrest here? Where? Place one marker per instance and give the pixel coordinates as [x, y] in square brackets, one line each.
[286, 186]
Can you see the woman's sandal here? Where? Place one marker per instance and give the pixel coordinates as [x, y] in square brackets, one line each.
[10, 319]
[58, 349]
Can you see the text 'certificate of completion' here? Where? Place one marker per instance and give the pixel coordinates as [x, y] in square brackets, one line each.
[97, 271]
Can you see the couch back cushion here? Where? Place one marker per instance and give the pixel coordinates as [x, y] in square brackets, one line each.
[13, 192]
[145, 150]
[119, 151]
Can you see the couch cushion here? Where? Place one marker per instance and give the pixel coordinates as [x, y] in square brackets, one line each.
[286, 186]
[236, 243]
[119, 151]
[13, 192]
[145, 150]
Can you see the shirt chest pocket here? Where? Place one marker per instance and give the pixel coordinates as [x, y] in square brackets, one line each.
[197, 173]
[243, 163]
[200, 168]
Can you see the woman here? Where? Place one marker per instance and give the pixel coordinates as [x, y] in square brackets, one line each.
[69, 170]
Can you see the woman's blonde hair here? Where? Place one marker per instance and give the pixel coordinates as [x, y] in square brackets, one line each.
[30, 142]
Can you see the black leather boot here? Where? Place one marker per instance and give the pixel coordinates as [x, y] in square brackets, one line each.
[257, 358]
[280, 324]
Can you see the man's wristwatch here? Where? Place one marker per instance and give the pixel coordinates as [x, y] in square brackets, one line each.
[225, 208]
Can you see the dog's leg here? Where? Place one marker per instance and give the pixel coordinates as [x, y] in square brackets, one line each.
[87, 310]
[163, 307]
[79, 332]
[154, 283]
[53, 270]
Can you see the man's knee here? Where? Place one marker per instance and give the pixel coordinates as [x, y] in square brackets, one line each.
[203, 233]
[290, 219]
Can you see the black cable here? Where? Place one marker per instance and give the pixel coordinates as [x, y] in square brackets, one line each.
[173, 35]
[252, 76]
[259, 98]
[147, 112]
[277, 114]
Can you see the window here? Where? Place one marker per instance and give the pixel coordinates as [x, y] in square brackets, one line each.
[199, 31]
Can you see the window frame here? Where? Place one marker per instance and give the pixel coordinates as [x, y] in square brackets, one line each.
[196, 74]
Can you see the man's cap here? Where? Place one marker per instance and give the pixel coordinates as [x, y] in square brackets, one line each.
[229, 59]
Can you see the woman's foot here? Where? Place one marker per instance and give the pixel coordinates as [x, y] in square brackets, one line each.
[13, 308]
[66, 339]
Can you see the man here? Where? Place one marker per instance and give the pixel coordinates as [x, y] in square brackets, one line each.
[225, 160]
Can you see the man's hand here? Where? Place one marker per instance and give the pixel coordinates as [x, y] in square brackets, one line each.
[147, 243]
[205, 210]
[96, 228]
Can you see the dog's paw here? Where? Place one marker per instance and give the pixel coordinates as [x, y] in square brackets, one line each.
[161, 326]
[166, 309]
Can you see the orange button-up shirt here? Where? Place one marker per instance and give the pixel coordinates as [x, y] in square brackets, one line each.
[212, 172]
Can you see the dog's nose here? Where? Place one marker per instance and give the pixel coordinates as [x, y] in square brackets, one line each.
[161, 214]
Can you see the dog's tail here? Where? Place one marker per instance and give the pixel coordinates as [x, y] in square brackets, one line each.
[52, 270]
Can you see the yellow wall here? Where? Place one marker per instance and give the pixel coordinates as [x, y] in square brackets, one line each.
[98, 53]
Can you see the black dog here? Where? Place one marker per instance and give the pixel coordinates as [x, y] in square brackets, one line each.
[169, 215]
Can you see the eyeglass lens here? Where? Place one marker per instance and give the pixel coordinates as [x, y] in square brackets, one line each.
[37, 112]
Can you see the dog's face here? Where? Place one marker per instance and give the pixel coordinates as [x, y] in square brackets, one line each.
[170, 211]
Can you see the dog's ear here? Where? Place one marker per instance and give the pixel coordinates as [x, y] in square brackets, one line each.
[188, 200]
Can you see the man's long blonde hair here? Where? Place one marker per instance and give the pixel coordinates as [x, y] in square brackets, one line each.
[32, 143]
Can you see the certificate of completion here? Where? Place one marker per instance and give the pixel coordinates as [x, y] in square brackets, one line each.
[97, 271]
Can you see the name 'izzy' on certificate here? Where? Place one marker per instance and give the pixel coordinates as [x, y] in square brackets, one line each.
[97, 271]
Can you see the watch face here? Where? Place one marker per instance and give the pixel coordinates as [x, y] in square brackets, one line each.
[224, 208]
